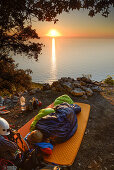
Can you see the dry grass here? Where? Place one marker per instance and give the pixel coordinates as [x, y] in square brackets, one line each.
[108, 93]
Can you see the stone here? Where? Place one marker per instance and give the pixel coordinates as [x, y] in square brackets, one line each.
[85, 79]
[7, 101]
[104, 85]
[15, 99]
[77, 92]
[1, 101]
[89, 85]
[46, 86]
[57, 86]
[66, 79]
[94, 165]
[96, 88]
[88, 91]
[63, 79]
[79, 163]
[76, 84]
[97, 83]
[82, 83]
[83, 88]
[84, 96]
[54, 84]
[100, 159]
[87, 131]
[67, 86]
[48, 91]
[32, 92]
[71, 80]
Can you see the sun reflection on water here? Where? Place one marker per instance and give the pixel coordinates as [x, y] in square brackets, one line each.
[53, 62]
[53, 51]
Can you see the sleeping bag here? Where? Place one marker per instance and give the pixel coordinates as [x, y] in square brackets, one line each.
[62, 99]
[41, 113]
[60, 125]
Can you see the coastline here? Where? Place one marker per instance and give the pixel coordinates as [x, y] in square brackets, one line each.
[96, 150]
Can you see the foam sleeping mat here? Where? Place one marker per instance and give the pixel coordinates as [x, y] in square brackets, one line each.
[65, 153]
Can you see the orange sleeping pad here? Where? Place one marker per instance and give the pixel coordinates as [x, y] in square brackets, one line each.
[65, 153]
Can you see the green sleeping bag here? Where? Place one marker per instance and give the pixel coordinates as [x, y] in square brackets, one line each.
[62, 99]
[41, 113]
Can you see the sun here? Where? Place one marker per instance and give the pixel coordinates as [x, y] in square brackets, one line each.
[53, 33]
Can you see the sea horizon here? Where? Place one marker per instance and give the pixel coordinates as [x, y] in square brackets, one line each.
[70, 57]
[79, 37]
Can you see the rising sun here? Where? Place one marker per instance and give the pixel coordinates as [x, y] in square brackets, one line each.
[53, 33]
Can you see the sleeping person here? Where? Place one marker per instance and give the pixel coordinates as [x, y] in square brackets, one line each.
[58, 124]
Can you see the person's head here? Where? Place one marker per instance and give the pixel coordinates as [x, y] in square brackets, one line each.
[4, 127]
[35, 137]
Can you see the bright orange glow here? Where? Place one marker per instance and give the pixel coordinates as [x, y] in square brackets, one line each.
[53, 59]
[53, 33]
[53, 50]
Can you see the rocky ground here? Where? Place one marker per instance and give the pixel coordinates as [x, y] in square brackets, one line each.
[96, 151]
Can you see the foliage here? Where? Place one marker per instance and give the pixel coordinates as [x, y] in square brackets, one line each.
[109, 80]
[12, 79]
[16, 32]
[36, 85]
[16, 16]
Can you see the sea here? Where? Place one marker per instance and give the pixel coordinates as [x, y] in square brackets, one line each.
[70, 57]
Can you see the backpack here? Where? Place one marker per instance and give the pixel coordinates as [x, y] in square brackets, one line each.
[31, 160]
[28, 159]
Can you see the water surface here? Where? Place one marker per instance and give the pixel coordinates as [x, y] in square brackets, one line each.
[71, 57]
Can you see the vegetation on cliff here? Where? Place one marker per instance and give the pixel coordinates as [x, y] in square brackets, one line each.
[16, 32]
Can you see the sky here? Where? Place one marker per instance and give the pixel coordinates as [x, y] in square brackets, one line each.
[79, 24]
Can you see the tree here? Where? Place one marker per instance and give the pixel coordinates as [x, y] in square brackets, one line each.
[16, 17]
[11, 78]
[16, 21]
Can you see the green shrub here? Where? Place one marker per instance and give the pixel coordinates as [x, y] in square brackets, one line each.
[13, 79]
[36, 85]
[109, 80]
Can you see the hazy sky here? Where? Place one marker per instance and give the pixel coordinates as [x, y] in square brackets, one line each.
[78, 23]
